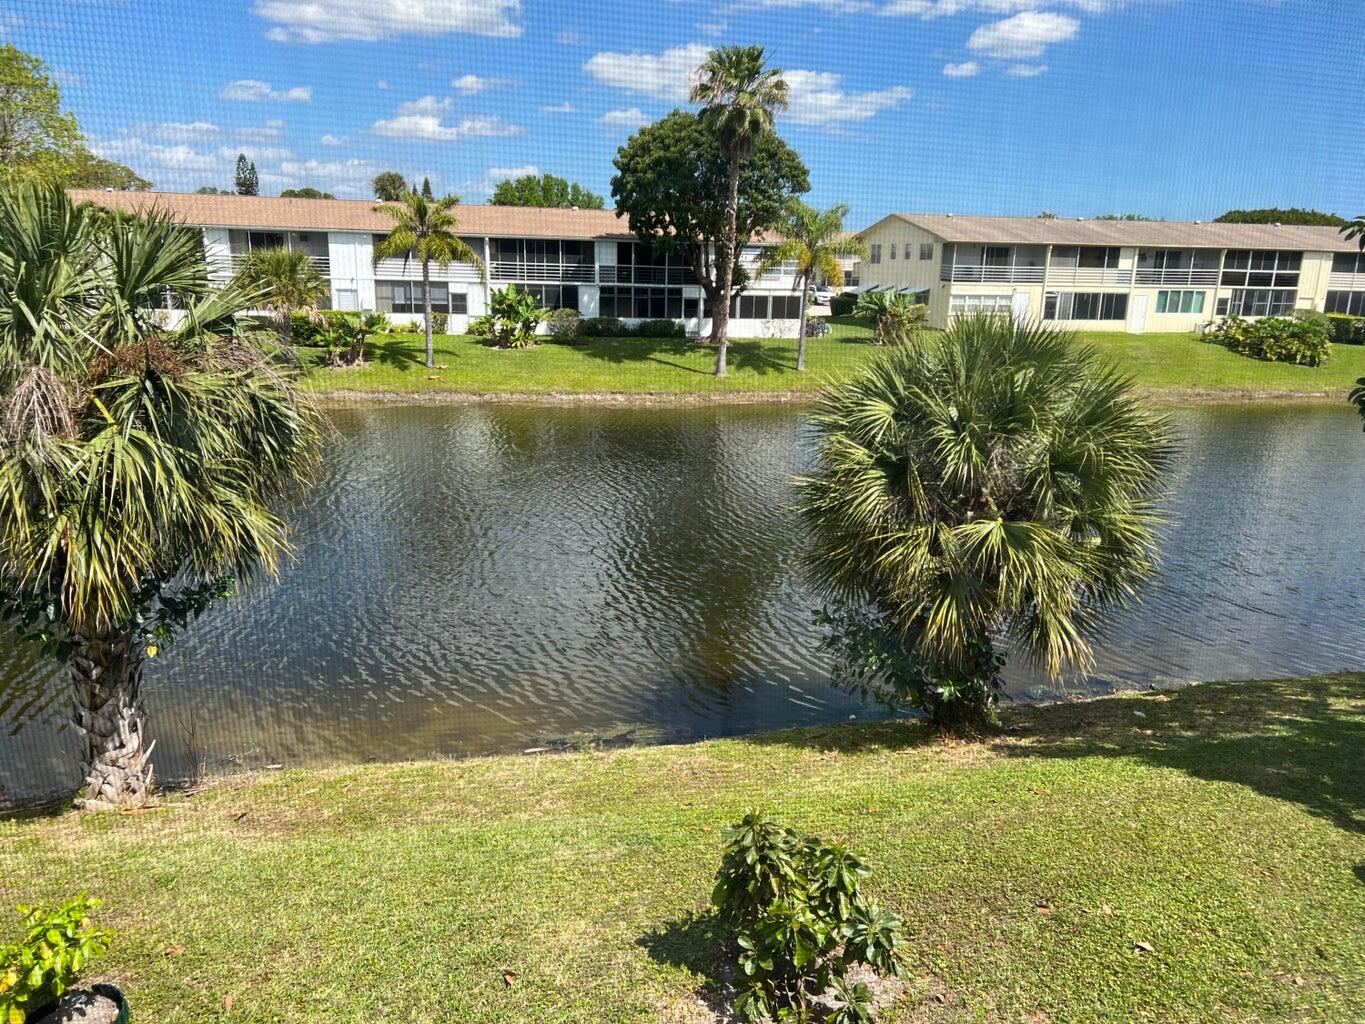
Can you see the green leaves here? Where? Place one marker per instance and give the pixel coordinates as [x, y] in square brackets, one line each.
[57, 945]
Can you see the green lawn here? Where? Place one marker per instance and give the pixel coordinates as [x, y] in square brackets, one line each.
[1178, 365]
[1223, 826]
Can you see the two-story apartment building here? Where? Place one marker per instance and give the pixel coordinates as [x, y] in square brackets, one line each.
[578, 259]
[1138, 276]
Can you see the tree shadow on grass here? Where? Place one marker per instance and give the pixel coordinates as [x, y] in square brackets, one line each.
[697, 944]
[1297, 740]
[749, 356]
[397, 352]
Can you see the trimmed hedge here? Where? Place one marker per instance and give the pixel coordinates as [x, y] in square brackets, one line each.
[565, 325]
[843, 304]
[659, 329]
[602, 327]
[1347, 329]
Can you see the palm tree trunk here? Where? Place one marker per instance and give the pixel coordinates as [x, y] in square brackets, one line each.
[107, 678]
[801, 329]
[727, 270]
[426, 311]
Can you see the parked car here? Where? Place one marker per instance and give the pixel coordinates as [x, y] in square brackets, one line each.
[823, 293]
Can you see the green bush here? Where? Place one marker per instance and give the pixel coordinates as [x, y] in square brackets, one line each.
[843, 304]
[800, 921]
[1346, 329]
[602, 327]
[57, 945]
[439, 323]
[660, 329]
[1304, 341]
[564, 326]
[311, 331]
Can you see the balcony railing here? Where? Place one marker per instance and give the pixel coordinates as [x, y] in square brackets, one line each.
[1338, 281]
[1088, 277]
[969, 272]
[1206, 277]
[628, 274]
[227, 266]
[519, 270]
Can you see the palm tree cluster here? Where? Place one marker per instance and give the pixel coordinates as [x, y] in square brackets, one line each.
[285, 280]
[992, 488]
[895, 316]
[141, 467]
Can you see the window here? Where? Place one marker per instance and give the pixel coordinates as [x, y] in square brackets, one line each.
[1346, 302]
[1257, 302]
[1180, 302]
[1348, 263]
[850, 279]
[926, 250]
[1099, 257]
[1261, 268]
[1085, 306]
[643, 303]
[752, 307]
[786, 307]
[406, 297]
[875, 255]
[893, 250]
[553, 296]
[967, 305]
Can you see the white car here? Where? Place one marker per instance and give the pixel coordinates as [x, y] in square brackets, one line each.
[823, 293]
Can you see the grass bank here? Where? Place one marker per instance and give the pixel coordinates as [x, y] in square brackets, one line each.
[1178, 366]
[1220, 827]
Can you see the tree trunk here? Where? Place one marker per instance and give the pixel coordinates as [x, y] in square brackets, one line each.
[801, 329]
[426, 312]
[107, 679]
[721, 325]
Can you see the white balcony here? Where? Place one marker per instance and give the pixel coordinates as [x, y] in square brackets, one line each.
[990, 274]
[519, 270]
[1088, 277]
[228, 266]
[1206, 277]
[644, 274]
[1346, 282]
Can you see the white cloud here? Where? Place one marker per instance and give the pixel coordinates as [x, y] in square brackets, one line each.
[1026, 70]
[497, 174]
[632, 118]
[268, 132]
[176, 130]
[712, 28]
[325, 21]
[424, 120]
[332, 140]
[664, 76]
[471, 85]
[150, 154]
[256, 154]
[816, 98]
[252, 90]
[1026, 36]
[947, 8]
[427, 106]
[966, 69]
[558, 108]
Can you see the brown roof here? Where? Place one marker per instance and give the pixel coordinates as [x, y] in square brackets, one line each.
[355, 214]
[1175, 234]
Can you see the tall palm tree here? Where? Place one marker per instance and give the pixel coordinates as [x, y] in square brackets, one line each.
[740, 96]
[1355, 229]
[140, 467]
[287, 280]
[426, 228]
[994, 485]
[814, 241]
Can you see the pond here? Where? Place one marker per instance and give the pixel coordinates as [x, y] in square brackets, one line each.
[493, 578]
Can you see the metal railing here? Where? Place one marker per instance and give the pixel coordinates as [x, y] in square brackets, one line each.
[519, 270]
[1338, 281]
[1088, 277]
[229, 264]
[1206, 277]
[629, 274]
[970, 272]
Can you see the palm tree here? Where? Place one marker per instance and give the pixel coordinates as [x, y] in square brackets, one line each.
[287, 280]
[740, 95]
[426, 228]
[140, 467]
[895, 316]
[994, 485]
[1355, 229]
[815, 240]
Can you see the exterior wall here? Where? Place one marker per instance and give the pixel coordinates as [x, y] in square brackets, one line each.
[899, 273]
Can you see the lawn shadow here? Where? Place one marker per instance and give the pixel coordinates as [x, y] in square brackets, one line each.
[696, 943]
[397, 352]
[749, 355]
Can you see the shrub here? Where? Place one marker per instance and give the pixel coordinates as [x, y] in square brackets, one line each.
[1303, 341]
[314, 330]
[512, 319]
[659, 329]
[564, 325]
[57, 945]
[439, 322]
[602, 327]
[1346, 329]
[800, 921]
[843, 304]
[895, 316]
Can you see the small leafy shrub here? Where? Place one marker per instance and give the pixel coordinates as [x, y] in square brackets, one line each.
[817, 327]
[660, 329]
[895, 316]
[564, 324]
[314, 329]
[1346, 329]
[843, 304]
[57, 945]
[439, 322]
[602, 327]
[1276, 339]
[512, 319]
[800, 921]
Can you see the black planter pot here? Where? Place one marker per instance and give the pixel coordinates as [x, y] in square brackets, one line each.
[109, 992]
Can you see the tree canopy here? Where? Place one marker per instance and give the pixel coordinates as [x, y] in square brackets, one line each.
[305, 193]
[544, 190]
[390, 186]
[668, 177]
[246, 181]
[1275, 215]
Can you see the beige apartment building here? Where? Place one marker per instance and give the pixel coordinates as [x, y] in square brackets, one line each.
[1112, 275]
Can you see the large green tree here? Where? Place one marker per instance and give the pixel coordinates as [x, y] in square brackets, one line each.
[245, 180]
[993, 487]
[426, 229]
[390, 187]
[1274, 215]
[307, 192]
[668, 175]
[544, 190]
[740, 95]
[814, 241]
[141, 468]
[38, 142]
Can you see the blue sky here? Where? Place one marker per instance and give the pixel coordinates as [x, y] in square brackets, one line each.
[1173, 108]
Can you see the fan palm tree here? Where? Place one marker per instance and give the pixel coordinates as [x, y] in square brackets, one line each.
[426, 228]
[895, 316]
[994, 485]
[814, 241]
[287, 280]
[740, 96]
[139, 466]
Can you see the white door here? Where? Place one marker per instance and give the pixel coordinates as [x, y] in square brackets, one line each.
[1137, 314]
[1019, 306]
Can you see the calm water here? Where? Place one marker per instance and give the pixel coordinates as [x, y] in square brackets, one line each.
[492, 578]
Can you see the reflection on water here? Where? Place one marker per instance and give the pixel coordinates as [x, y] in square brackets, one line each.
[485, 578]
